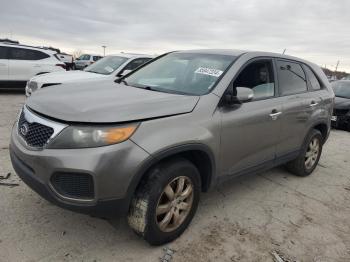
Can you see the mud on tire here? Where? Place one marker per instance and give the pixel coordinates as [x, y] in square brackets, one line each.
[298, 166]
[147, 202]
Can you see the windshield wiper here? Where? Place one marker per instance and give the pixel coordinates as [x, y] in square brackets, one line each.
[90, 71]
[124, 82]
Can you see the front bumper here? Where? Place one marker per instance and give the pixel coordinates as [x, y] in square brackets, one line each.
[112, 169]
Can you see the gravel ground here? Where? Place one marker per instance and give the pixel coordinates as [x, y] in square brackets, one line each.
[303, 219]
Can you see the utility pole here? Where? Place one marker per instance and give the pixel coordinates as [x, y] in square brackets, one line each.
[104, 50]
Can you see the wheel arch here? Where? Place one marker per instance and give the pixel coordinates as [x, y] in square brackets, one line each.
[324, 128]
[200, 155]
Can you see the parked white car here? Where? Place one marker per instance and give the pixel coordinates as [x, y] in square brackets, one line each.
[108, 68]
[85, 60]
[67, 59]
[19, 63]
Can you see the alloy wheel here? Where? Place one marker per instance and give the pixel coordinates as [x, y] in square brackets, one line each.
[174, 204]
[312, 153]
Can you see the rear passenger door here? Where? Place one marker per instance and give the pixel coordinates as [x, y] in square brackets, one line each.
[4, 66]
[298, 106]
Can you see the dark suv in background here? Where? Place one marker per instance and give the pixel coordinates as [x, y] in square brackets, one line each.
[341, 113]
[148, 145]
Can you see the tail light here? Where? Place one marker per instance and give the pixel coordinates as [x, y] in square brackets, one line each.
[62, 65]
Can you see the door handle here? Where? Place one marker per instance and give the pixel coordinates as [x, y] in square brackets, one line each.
[274, 114]
[313, 103]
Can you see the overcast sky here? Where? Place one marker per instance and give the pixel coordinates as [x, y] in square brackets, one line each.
[317, 30]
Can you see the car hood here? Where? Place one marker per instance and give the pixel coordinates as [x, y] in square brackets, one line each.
[341, 103]
[103, 102]
[67, 77]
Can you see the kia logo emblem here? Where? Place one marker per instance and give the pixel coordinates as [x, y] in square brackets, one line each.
[24, 129]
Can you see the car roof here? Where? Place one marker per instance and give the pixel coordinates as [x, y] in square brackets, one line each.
[46, 50]
[237, 52]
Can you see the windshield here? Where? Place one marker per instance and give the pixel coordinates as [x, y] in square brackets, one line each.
[341, 89]
[106, 65]
[184, 73]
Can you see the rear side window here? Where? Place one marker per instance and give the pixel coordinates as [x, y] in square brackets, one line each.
[3, 52]
[315, 84]
[291, 77]
[95, 58]
[26, 54]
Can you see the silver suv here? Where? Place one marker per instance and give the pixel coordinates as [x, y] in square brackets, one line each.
[146, 147]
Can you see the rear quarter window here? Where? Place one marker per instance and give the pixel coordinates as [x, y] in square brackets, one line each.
[291, 78]
[314, 83]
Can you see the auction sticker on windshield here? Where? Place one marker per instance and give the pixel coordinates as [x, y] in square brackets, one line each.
[209, 71]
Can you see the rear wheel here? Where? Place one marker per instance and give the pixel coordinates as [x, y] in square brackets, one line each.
[309, 156]
[166, 202]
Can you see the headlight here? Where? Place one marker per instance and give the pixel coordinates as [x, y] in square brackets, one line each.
[82, 137]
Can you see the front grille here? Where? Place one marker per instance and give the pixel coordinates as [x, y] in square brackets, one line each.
[73, 185]
[35, 134]
[340, 112]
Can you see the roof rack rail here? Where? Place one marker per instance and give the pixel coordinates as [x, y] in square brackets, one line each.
[37, 47]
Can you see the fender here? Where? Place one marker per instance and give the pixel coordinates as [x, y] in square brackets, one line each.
[155, 158]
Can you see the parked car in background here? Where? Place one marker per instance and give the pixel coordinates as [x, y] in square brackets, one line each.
[67, 59]
[346, 77]
[19, 63]
[341, 112]
[108, 68]
[85, 60]
[148, 145]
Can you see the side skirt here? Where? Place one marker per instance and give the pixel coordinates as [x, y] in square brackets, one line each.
[265, 166]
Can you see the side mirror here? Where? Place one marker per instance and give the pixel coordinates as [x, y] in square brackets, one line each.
[124, 72]
[239, 95]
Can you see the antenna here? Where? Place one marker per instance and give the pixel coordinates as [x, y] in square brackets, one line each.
[284, 51]
[336, 67]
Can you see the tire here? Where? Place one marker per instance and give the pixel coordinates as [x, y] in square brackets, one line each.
[300, 166]
[150, 194]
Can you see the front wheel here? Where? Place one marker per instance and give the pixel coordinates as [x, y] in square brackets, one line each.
[309, 156]
[166, 202]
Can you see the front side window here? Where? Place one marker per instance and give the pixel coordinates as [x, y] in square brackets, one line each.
[259, 77]
[26, 54]
[184, 73]
[341, 89]
[315, 84]
[106, 65]
[291, 78]
[136, 63]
